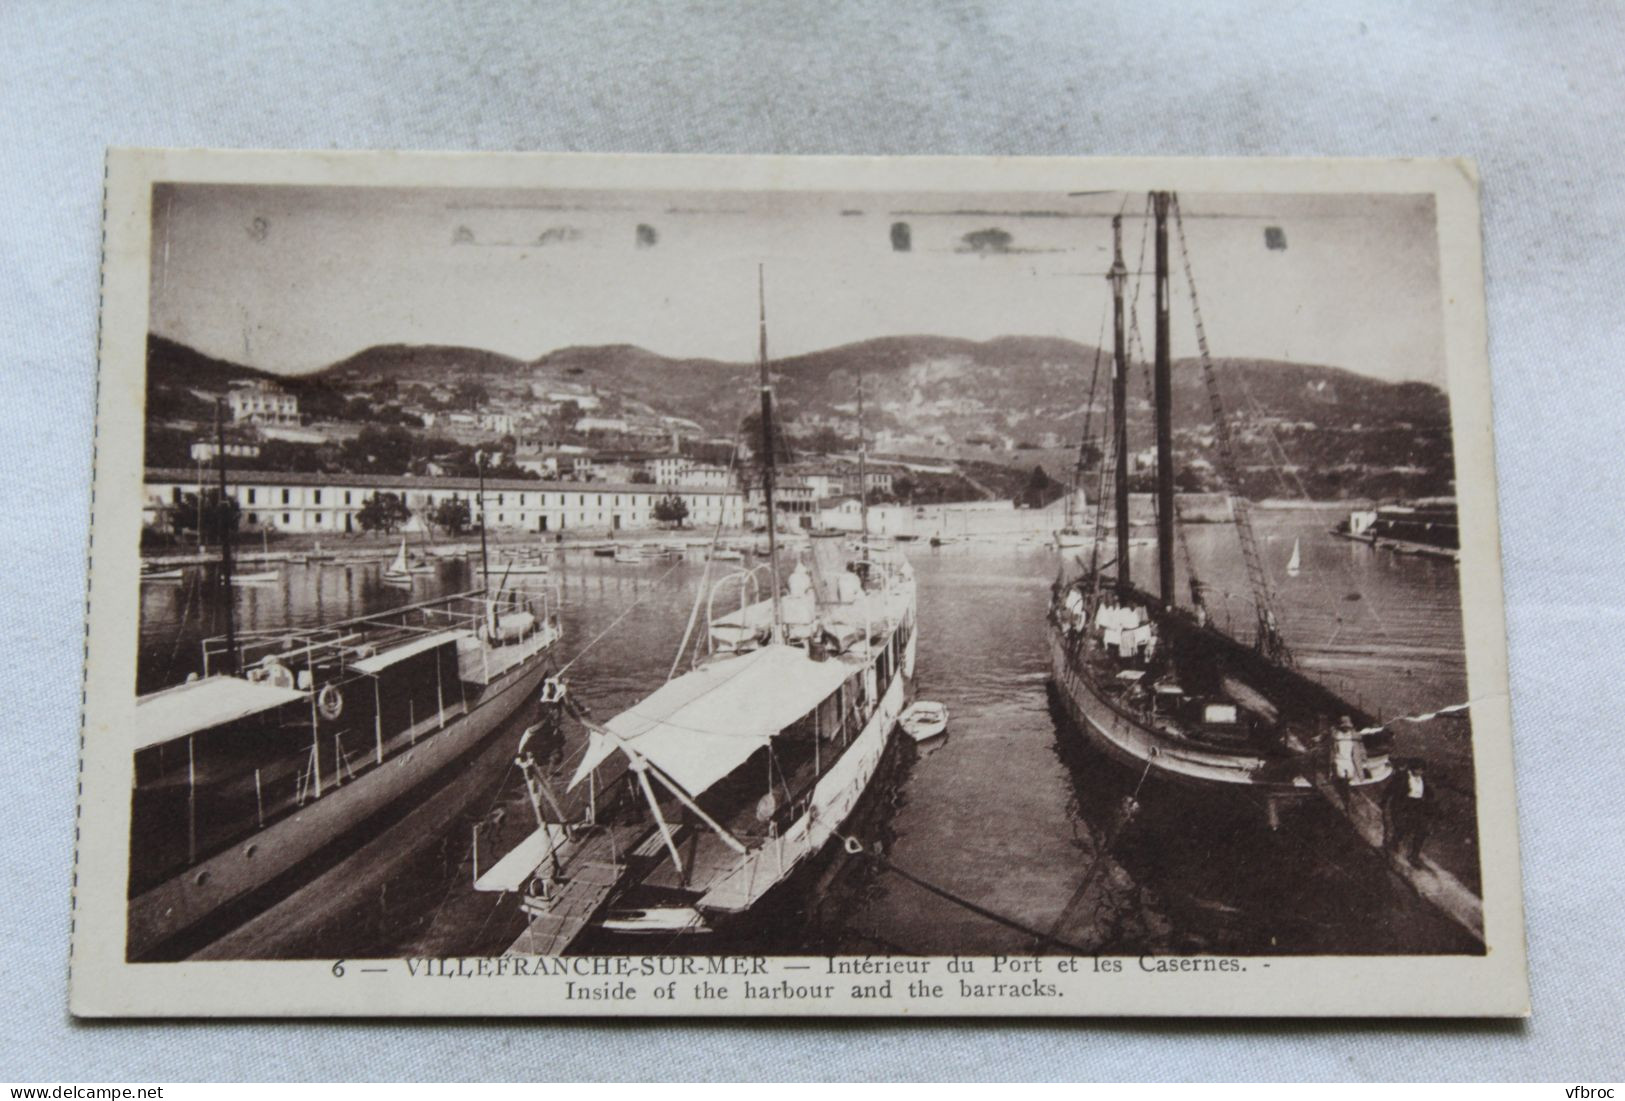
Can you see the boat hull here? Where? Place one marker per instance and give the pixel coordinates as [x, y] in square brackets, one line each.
[834, 799]
[165, 914]
[1147, 752]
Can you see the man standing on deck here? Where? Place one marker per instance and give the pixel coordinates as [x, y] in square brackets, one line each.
[1408, 811]
[1348, 755]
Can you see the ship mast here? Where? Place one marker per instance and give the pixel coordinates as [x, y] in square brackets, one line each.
[225, 540]
[768, 458]
[1118, 276]
[485, 558]
[863, 475]
[1164, 403]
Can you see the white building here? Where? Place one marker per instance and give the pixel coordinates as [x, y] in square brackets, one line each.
[262, 403]
[329, 502]
[500, 422]
[585, 402]
[668, 470]
[705, 475]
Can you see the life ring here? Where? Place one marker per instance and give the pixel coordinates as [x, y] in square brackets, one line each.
[330, 702]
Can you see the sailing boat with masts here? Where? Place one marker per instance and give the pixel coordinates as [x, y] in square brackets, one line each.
[734, 775]
[1157, 686]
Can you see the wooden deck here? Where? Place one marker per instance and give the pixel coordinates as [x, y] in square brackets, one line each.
[593, 866]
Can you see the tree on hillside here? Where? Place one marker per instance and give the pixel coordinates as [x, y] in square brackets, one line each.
[750, 432]
[384, 512]
[216, 518]
[470, 394]
[671, 509]
[566, 415]
[1040, 489]
[642, 478]
[452, 516]
[824, 441]
[380, 451]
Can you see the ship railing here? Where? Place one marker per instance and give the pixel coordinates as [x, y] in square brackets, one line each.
[346, 639]
[749, 597]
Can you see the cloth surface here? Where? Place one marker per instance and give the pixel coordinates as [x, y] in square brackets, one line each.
[1530, 89]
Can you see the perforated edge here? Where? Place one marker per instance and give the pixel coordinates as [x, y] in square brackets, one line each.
[90, 576]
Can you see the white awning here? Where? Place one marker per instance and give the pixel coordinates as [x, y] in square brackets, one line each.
[511, 872]
[396, 654]
[203, 704]
[703, 725]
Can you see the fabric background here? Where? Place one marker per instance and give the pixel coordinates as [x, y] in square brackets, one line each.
[1531, 89]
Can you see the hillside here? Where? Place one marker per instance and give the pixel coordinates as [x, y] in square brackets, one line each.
[1010, 399]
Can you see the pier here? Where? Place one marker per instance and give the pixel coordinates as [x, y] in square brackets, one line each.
[1432, 883]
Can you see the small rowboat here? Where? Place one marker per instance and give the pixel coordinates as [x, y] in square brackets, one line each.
[520, 566]
[628, 554]
[265, 577]
[162, 575]
[924, 720]
[664, 919]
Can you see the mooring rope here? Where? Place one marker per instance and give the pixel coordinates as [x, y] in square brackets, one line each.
[616, 622]
[855, 847]
[1421, 717]
[1131, 806]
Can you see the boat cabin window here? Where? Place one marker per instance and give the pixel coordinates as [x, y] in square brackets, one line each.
[199, 794]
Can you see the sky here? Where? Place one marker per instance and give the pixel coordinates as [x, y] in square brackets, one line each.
[290, 279]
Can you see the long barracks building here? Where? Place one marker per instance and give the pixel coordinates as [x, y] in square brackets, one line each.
[329, 502]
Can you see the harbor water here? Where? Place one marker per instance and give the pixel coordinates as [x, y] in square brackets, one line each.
[1008, 815]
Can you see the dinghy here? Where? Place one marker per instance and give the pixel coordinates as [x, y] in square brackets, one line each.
[924, 720]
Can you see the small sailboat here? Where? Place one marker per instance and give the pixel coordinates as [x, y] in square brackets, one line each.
[399, 571]
[924, 720]
[1294, 565]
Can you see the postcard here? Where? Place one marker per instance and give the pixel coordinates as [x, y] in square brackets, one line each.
[701, 586]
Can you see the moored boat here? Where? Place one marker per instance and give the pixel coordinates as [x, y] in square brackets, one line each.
[708, 795]
[1158, 687]
[518, 567]
[290, 747]
[924, 720]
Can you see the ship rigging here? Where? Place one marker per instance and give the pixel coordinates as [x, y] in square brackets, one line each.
[1158, 686]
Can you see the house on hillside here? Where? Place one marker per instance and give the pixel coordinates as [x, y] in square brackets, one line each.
[262, 402]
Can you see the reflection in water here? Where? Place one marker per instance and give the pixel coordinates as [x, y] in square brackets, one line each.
[1009, 810]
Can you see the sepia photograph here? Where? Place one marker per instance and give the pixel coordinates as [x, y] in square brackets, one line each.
[896, 594]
